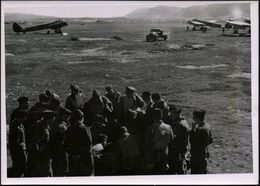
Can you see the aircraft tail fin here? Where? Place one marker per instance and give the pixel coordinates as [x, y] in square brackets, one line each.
[17, 28]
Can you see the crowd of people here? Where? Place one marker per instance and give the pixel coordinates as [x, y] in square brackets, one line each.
[111, 134]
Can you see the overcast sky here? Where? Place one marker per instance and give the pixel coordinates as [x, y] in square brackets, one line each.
[90, 8]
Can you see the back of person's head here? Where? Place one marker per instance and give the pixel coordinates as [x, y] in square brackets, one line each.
[77, 115]
[199, 114]
[96, 94]
[146, 95]
[156, 97]
[175, 109]
[74, 88]
[43, 98]
[157, 114]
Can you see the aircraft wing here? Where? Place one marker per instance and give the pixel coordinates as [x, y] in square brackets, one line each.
[208, 23]
[239, 24]
[196, 23]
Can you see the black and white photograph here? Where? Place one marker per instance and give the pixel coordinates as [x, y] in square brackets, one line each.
[121, 92]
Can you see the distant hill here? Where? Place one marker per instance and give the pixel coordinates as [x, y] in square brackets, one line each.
[19, 17]
[203, 11]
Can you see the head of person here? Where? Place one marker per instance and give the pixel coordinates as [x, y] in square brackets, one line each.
[109, 90]
[156, 114]
[74, 89]
[174, 112]
[20, 116]
[23, 102]
[146, 95]
[77, 115]
[96, 95]
[48, 116]
[130, 91]
[198, 115]
[123, 131]
[102, 138]
[43, 98]
[54, 103]
[156, 97]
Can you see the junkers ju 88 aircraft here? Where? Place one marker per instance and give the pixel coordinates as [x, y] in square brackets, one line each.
[56, 26]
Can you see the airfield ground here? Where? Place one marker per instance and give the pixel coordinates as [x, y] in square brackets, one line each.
[216, 78]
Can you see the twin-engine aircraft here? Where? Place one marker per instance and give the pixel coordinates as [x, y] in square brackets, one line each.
[202, 24]
[56, 26]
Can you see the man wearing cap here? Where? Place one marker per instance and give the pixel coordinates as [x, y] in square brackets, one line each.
[75, 99]
[148, 102]
[158, 137]
[200, 138]
[128, 153]
[57, 139]
[97, 105]
[130, 101]
[161, 104]
[41, 145]
[23, 105]
[114, 97]
[39, 107]
[17, 143]
[78, 143]
[178, 147]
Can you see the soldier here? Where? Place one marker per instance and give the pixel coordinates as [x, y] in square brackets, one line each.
[37, 110]
[178, 147]
[160, 103]
[75, 99]
[128, 153]
[97, 105]
[200, 138]
[17, 143]
[130, 101]
[114, 97]
[78, 144]
[23, 105]
[41, 143]
[158, 137]
[57, 139]
[147, 97]
[97, 127]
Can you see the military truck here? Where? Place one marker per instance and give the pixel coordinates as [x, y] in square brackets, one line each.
[156, 34]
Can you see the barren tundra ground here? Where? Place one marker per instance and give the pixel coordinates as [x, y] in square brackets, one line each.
[216, 78]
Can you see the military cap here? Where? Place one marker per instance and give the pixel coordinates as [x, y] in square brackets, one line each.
[108, 87]
[23, 99]
[157, 114]
[52, 94]
[43, 97]
[176, 109]
[130, 89]
[200, 114]
[95, 94]
[74, 87]
[20, 114]
[77, 114]
[48, 114]
[65, 111]
[146, 94]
